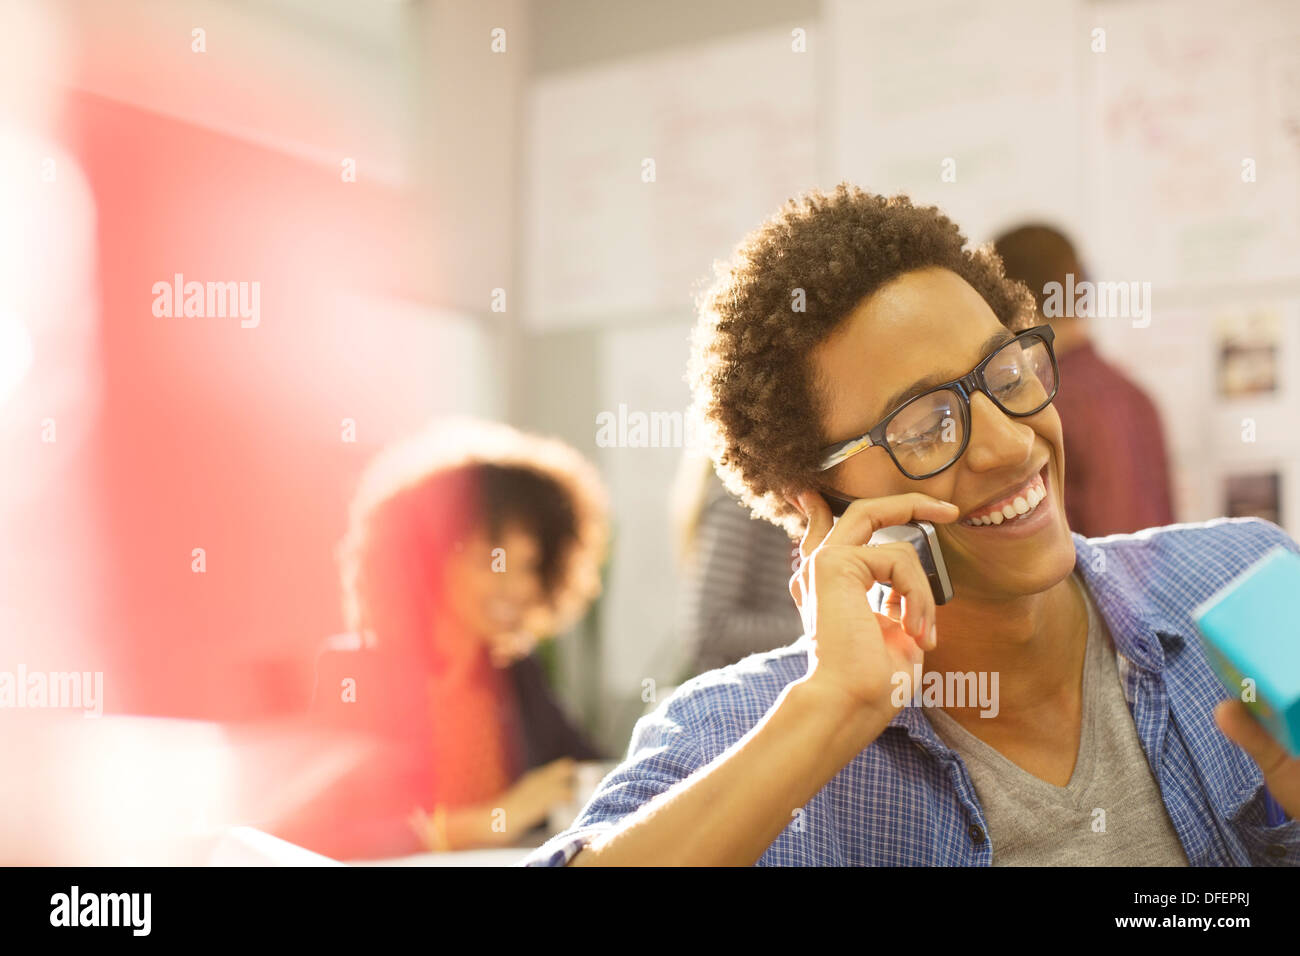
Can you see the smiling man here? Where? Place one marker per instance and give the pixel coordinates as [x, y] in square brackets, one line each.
[914, 385]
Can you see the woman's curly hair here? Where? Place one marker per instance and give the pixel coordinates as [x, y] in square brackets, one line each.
[755, 398]
[424, 495]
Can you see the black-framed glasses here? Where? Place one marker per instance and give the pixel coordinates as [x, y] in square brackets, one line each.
[928, 433]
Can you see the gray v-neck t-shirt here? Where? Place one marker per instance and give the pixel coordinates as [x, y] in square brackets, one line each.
[1109, 814]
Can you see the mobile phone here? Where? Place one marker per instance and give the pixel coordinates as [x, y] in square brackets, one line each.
[921, 535]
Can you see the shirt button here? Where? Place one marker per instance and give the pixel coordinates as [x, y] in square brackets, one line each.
[976, 833]
[1276, 850]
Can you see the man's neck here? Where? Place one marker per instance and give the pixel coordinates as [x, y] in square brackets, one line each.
[1035, 644]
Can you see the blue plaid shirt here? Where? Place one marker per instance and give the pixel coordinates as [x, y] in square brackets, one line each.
[907, 799]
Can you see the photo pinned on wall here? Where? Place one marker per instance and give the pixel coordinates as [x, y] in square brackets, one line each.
[1257, 495]
[1248, 348]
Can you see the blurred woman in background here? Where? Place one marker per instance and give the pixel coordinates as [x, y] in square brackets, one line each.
[468, 544]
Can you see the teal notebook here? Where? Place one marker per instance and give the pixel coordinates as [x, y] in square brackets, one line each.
[1251, 634]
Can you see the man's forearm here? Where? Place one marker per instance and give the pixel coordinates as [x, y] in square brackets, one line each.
[729, 812]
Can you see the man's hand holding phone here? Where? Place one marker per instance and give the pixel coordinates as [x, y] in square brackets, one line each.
[857, 651]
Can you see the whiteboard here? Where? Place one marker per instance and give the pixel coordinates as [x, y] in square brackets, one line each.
[731, 128]
[1186, 92]
[991, 87]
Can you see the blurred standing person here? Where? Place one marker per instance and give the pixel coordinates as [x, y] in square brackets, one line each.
[736, 574]
[1117, 465]
[468, 543]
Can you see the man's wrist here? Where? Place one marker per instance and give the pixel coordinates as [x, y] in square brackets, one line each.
[846, 723]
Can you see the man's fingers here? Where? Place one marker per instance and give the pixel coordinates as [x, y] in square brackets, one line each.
[895, 636]
[893, 606]
[895, 564]
[866, 516]
[1236, 721]
[910, 599]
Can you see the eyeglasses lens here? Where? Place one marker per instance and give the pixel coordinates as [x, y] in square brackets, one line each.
[1020, 376]
[928, 434]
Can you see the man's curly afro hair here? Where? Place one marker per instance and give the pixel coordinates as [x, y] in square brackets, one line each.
[756, 402]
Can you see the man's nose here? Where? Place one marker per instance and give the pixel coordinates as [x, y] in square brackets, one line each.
[996, 439]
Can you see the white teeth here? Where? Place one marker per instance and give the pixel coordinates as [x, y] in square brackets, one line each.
[1021, 505]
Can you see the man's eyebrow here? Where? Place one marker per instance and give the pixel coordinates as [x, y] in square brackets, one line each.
[991, 344]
